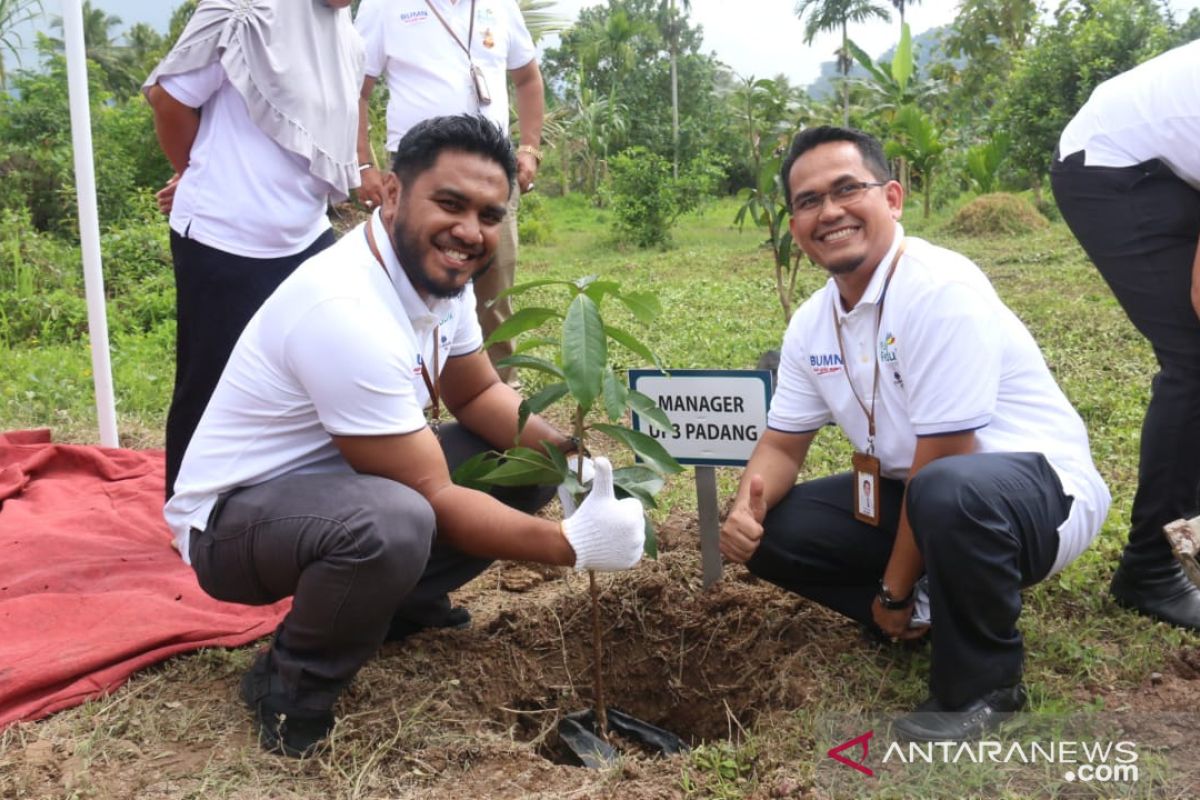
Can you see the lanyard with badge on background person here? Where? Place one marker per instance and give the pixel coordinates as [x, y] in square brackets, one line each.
[477, 78]
[432, 384]
[866, 465]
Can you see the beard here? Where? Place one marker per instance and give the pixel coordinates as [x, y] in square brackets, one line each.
[411, 253]
[845, 266]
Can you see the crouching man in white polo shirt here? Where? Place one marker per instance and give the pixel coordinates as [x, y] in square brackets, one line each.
[978, 466]
[313, 472]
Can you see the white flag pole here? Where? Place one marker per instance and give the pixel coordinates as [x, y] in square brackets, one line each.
[89, 222]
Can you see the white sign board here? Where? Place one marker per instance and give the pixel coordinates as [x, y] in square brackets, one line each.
[717, 416]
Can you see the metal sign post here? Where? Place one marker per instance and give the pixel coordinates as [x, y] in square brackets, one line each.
[717, 417]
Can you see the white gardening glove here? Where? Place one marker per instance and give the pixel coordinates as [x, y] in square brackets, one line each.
[606, 534]
[565, 498]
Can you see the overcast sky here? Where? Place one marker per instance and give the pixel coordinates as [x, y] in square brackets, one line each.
[764, 37]
[754, 37]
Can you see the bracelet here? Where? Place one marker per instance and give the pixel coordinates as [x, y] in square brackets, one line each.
[893, 603]
[365, 167]
[531, 150]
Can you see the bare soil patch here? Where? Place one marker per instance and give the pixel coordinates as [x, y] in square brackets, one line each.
[472, 713]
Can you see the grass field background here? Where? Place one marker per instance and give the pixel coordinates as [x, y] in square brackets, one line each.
[720, 311]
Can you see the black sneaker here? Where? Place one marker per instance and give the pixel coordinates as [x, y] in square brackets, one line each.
[401, 629]
[284, 728]
[933, 722]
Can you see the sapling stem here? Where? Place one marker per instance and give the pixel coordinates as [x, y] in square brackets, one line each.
[594, 591]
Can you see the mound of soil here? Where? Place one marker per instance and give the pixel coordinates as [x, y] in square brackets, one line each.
[998, 214]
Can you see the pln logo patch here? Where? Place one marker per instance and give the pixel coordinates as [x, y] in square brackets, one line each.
[887, 349]
[411, 17]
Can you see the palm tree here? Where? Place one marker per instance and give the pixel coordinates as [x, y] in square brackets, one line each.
[12, 14]
[538, 20]
[98, 26]
[672, 25]
[901, 4]
[832, 15]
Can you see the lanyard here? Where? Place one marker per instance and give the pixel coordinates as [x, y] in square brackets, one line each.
[432, 384]
[466, 48]
[870, 412]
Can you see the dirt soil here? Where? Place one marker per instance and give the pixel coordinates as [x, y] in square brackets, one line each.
[471, 713]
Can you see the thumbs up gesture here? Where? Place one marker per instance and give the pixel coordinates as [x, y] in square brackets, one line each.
[606, 534]
[743, 530]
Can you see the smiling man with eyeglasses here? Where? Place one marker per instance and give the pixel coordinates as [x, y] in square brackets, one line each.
[971, 467]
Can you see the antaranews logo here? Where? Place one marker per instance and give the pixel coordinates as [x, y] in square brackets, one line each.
[863, 742]
[1084, 761]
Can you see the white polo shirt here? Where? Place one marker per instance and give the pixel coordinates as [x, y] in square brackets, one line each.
[427, 73]
[336, 350]
[241, 193]
[1151, 111]
[952, 358]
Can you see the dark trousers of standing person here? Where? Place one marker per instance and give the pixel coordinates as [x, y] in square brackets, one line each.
[216, 294]
[1139, 225]
[986, 525]
[353, 551]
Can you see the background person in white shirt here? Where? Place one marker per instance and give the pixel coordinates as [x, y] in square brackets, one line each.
[986, 483]
[428, 72]
[1127, 180]
[313, 472]
[255, 107]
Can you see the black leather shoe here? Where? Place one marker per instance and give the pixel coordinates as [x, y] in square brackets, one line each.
[284, 728]
[933, 722]
[401, 629]
[1168, 596]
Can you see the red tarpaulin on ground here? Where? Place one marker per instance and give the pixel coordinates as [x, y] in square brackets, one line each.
[90, 588]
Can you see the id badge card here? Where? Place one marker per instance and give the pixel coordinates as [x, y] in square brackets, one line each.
[866, 488]
[481, 88]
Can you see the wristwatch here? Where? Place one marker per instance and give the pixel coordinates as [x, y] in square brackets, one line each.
[531, 150]
[893, 603]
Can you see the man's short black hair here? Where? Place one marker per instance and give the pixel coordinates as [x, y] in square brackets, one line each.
[868, 146]
[468, 133]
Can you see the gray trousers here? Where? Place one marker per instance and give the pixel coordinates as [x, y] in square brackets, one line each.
[353, 551]
[986, 524]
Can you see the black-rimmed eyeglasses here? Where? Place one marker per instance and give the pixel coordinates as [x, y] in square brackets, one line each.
[842, 195]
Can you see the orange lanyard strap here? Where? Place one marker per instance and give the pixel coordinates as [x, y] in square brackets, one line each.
[466, 48]
[434, 384]
[837, 328]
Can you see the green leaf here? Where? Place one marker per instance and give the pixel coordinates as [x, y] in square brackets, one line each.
[539, 403]
[630, 342]
[530, 343]
[583, 283]
[522, 288]
[584, 350]
[555, 455]
[645, 447]
[902, 62]
[862, 58]
[471, 472]
[524, 466]
[643, 305]
[616, 395]
[646, 407]
[640, 482]
[597, 289]
[650, 548]
[524, 320]
[531, 362]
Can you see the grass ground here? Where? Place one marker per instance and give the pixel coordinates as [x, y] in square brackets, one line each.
[764, 683]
